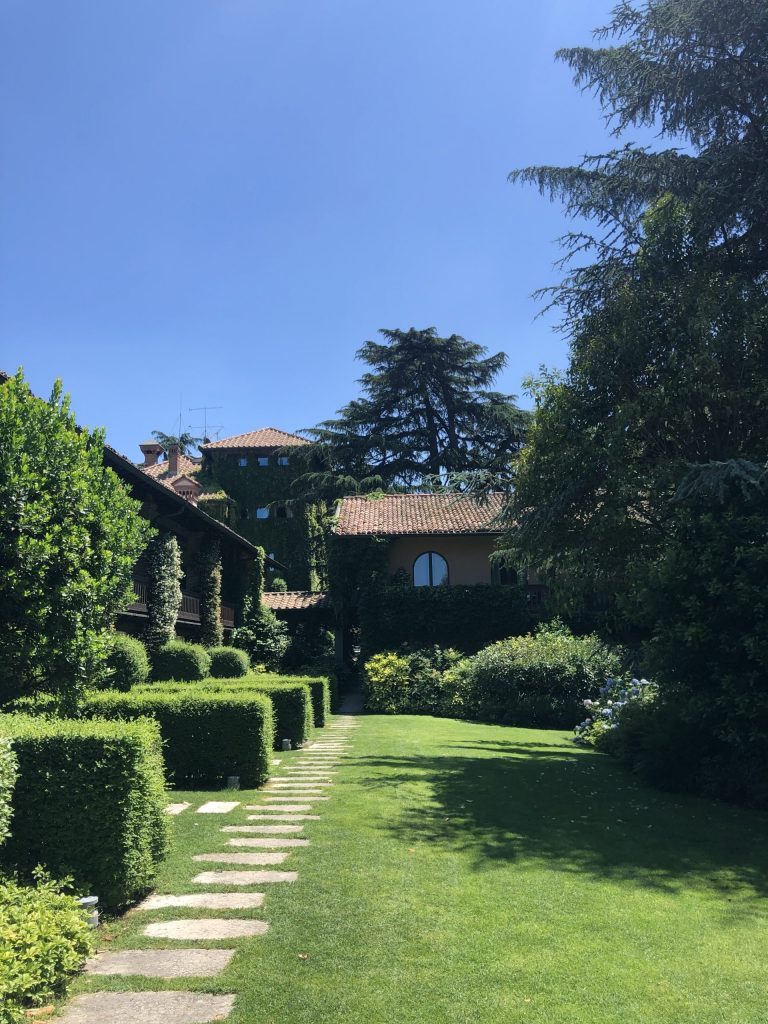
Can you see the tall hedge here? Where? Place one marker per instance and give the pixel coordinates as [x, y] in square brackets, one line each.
[207, 735]
[465, 618]
[88, 803]
[320, 692]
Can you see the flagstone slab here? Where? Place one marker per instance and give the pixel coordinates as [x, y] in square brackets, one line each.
[218, 807]
[304, 797]
[177, 808]
[191, 962]
[263, 829]
[240, 858]
[244, 877]
[282, 817]
[298, 784]
[275, 808]
[206, 928]
[147, 1008]
[267, 842]
[205, 901]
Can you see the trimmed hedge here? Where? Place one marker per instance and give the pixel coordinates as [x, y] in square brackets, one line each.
[207, 734]
[88, 803]
[228, 662]
[44, 939]
[320, 692]
[127, 663]
[466, 618]
[8, 769]
[180, 661]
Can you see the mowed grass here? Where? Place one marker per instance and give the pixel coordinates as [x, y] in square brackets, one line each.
[470, 873]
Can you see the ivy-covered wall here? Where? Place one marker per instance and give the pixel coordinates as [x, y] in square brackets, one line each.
[293, 533]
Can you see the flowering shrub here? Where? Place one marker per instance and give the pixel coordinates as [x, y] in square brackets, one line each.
[604, 712]
[409, 683]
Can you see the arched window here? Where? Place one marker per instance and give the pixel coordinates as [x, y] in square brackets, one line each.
[430, 570]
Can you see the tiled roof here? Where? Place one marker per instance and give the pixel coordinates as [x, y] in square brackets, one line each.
[401, 514]
[267, 437]
[187, 467]
[291, 600]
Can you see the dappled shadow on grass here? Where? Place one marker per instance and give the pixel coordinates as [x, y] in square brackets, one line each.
[517, 802]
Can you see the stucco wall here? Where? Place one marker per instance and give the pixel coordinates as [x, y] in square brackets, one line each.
[467, 556]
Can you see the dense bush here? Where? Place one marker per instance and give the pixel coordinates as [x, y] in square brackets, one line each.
[208, 734]
[291, 699]
[615, 701]
[164, 576]
[181, 661]
[538, 680]
[228, 662]
[464, 617]
[262, 636]
[88, 803]
[312, 645]
[8, 769]
[408, 682]
[320, 694]
[127, 663]
[44, 939]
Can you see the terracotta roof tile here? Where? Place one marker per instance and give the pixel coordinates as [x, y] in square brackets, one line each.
[400, 514]
[187, 467]
[291, 600]
[267, 437]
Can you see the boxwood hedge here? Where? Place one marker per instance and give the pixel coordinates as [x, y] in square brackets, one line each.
[320, 692]
[8, 765]
[88, 803]
[207, 735]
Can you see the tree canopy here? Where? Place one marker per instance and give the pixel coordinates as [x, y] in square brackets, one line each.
[185, 441]
[427, 411]
[69, 537]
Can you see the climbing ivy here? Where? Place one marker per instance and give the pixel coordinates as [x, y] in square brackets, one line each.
[211, 629]
[164, 576]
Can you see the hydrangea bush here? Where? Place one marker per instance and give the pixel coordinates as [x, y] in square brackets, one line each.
[604, 712]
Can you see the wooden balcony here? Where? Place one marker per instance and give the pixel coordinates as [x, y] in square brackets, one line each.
[190, 606]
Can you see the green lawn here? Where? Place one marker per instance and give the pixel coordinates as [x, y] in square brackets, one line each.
[470, 873]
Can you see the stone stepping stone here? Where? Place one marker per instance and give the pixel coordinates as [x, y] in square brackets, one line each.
[147, 1007]
[240, 858]
[176, 808]
[276, 760]
[297, 784]
[309, 768]
[218, 807]
[304, 797]
[243, 878]
[263, 829]
[282, 817]
[205, 901]
[267, 842]
[206, 928]
[162, 963]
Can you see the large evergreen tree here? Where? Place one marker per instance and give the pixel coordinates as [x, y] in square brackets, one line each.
[645, 475]
[427, 412]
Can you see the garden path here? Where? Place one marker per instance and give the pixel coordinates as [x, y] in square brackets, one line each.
[310, 781]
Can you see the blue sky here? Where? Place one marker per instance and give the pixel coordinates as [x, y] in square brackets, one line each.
[216, 202]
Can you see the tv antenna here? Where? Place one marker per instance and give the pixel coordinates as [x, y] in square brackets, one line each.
[205, 409]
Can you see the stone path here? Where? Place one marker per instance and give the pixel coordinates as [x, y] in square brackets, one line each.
[286, 801]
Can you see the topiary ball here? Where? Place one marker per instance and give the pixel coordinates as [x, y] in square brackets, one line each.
[127, 663]
[180, 660]
[228, 662]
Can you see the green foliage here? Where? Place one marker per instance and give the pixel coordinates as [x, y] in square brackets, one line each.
[279, 585]
[616, 701]
[290, 696]
[539, 680]
[182, 661]
[69, 535]
[127, 663]
[426, 411]
[164, 575]
[208, 732]
[311, 646]
[228, 662]
[320, 693]
[44, 939]
[211, 628]
[88, 803]
[409, 682]
[185, 441]
[462, 617]
[262, 635]
[8, 772]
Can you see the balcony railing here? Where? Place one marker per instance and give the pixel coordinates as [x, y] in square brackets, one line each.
[189, 610]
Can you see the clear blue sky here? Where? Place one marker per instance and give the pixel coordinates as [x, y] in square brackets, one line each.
[216, 202]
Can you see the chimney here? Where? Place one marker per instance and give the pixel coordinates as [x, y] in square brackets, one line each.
[173, 459]
[151, 451]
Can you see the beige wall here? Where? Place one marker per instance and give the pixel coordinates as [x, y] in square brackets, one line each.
[467, 556]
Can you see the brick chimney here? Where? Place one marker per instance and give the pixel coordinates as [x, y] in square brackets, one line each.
[151, 451]
[173, 459]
